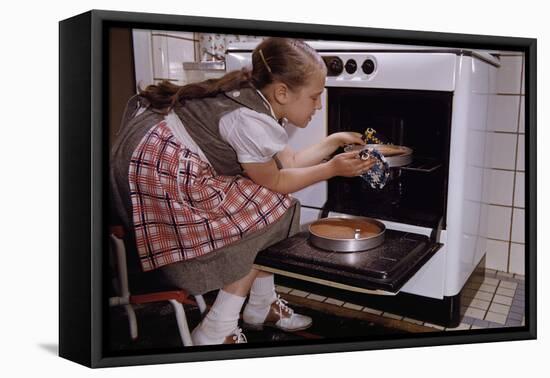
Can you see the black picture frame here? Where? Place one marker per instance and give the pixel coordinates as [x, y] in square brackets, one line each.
[84, 166]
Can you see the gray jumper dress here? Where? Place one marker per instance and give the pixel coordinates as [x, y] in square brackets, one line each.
[221, 266]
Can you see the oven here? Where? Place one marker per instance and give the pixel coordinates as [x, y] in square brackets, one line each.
[435, 101]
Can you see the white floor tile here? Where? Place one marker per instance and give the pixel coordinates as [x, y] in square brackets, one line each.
[502, 300]
[483, 295]
[282, 289]
[372, 311]
[499, 308]
[491, 281]
[505, 275]
[353, 306]
[475, 313]
[414, 321]
[508, 285]
[483, 305]
[505, 292]
[434, 326]
[334, 301]
[315, 297]
[392, 316]
[495, 317]
[488, 288]
[299, 293]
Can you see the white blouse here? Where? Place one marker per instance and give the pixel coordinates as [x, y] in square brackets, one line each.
[256, 137]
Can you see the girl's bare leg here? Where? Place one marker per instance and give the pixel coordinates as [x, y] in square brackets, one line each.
[242, 286]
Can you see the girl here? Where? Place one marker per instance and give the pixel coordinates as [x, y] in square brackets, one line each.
[206, 174]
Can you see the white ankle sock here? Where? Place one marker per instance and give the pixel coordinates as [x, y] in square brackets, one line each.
[223, 316]
[262, 292]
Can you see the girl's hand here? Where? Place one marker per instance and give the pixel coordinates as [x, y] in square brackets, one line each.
[348, 164]
[346, 137]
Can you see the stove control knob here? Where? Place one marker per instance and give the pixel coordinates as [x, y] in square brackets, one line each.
[334, 64]
[351, 66]
[368, 66]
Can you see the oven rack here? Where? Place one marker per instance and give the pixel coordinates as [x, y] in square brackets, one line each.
[422, 165]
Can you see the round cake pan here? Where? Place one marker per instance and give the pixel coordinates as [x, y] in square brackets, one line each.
[396, 156]
[346, 233]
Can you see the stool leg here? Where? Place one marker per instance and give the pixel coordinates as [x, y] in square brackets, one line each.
[182, 323]
[132, 321]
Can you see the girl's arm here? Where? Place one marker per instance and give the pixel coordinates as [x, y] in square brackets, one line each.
[315, 154]
[290, 180]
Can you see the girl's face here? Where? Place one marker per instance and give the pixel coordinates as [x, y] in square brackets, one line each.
[304, 101]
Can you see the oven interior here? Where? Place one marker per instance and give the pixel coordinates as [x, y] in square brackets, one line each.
[421, 120]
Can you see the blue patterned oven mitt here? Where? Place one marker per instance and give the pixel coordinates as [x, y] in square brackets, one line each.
[378, 175]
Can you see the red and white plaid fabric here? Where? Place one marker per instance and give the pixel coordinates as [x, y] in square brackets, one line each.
[182, 209]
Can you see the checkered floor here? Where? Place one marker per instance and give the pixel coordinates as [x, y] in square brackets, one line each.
[490, 300]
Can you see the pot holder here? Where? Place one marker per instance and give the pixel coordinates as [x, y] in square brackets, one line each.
[378, 175]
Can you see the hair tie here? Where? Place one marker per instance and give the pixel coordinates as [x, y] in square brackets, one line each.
[265, 61]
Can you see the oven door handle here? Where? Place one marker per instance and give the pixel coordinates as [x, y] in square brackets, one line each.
[321, 281]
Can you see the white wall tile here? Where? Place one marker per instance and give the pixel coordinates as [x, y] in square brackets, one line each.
[518, 226]
[517, 258]
[497, 255]
[503, 150]
[519, 195]
[501, 186]
[520, 163]
[509, 75]
[522, 115]
[499, 222]
[503, 113]
[179, 51]
[143, 59]
[160, 57]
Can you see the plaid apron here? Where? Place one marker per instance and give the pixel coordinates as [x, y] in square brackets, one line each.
[181, 209]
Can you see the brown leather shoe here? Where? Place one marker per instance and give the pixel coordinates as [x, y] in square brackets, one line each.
[279, 316]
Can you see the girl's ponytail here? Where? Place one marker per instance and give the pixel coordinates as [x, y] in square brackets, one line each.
[290, 61]
[165, 95]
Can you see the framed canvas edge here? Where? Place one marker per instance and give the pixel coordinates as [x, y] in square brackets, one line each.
[97, 242]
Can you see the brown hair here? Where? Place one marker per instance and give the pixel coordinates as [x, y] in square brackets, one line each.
[289, 61]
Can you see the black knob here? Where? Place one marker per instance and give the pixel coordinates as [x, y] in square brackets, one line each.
[335, 66]
[368, 66]
[351, 66]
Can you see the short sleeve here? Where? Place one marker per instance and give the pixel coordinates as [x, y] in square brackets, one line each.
[254, 136]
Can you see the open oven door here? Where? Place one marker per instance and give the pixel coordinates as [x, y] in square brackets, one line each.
[382, 270]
